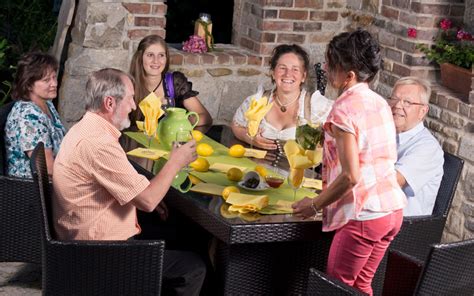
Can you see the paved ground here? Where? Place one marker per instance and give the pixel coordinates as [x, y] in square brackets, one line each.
[20, 279]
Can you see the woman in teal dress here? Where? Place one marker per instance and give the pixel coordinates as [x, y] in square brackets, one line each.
[33, 118]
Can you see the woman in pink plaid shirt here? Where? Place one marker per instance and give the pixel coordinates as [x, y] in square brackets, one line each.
[361, 200]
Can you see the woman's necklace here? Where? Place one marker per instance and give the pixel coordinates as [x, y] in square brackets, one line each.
[283, 106]
[161, 80]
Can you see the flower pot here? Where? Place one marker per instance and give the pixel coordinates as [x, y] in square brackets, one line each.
[456, 78]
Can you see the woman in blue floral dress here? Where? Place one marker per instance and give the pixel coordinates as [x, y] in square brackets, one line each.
[33, 118]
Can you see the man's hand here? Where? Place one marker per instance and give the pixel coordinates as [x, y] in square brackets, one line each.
[184, 154]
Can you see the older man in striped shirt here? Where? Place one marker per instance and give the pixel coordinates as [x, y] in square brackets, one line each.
[97, 189]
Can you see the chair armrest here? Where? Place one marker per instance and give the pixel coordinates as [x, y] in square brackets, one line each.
[402, 274]
[320, 283]
[104, 267]
[417, 234]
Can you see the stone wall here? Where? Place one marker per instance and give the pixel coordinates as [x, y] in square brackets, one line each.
[106, 32]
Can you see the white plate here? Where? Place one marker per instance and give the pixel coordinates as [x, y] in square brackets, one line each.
[262, 186]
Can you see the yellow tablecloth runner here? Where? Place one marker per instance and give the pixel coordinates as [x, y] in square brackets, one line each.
[220, 155]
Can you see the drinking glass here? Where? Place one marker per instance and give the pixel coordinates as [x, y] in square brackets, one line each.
[251, 133]
[295, 179]
[182, 137]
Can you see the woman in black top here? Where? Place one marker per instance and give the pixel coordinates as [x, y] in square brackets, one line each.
[149, 67]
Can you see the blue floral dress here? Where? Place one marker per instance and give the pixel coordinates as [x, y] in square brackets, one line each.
[26, 126]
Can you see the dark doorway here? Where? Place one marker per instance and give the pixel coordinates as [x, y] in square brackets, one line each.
[181, 15]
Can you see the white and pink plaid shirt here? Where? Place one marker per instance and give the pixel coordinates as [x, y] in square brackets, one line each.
[367, 116]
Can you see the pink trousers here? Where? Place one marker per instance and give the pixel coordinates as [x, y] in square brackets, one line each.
[359, 246]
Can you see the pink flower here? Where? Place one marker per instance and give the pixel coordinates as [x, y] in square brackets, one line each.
[411, 32]
[445, 24]
[195, 44]
[463, 35]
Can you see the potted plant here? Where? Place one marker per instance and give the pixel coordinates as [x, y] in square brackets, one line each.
[453, 50]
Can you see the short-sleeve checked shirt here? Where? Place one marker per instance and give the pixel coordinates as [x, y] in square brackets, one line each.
[26, 126]
[367, 116]
[94, 183]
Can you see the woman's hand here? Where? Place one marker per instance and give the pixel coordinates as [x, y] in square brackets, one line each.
[262, 142]
[303, 208]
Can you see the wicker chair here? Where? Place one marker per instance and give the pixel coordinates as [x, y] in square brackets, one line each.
[418, 233]
[20, 239]
[448, 270]
[92, 267]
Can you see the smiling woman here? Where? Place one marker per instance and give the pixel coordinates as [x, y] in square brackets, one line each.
[289, 66]
[33, 118]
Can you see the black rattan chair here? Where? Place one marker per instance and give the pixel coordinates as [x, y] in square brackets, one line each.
[418, 233]
[448, 270]
[92, 267]
[20, 239]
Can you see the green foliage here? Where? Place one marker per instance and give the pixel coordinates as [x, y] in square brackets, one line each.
[27, 25]
[450, 47]
[459, 53]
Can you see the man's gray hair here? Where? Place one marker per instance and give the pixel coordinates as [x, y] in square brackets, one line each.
[103, 83]
[424, 85]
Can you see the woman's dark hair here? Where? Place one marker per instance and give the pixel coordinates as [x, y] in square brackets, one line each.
[31, 67]
[355, 51]
[289, 48]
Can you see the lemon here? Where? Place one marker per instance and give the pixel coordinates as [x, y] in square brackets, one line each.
[194, 180]
[261, 170]
[197, 135]
[237, 150]
[204, 149]
[228, 190]
[234, 174]
[200, 164]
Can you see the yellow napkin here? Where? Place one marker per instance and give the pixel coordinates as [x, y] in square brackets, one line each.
[224, 167]
[208, 188]
[151, 109]
[153, 154]
[255, 153]
[296, 156]
[245, 203]
[313, 183]
[255, 113]
[140, 125]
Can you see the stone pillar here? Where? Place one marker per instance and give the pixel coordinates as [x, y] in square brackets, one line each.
[104, 34]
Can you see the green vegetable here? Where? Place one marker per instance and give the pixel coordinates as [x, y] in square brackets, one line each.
[308, 137]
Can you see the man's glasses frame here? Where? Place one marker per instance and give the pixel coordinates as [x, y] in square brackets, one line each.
[405, 103]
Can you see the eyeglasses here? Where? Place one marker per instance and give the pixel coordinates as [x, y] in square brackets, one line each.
[405, 103]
